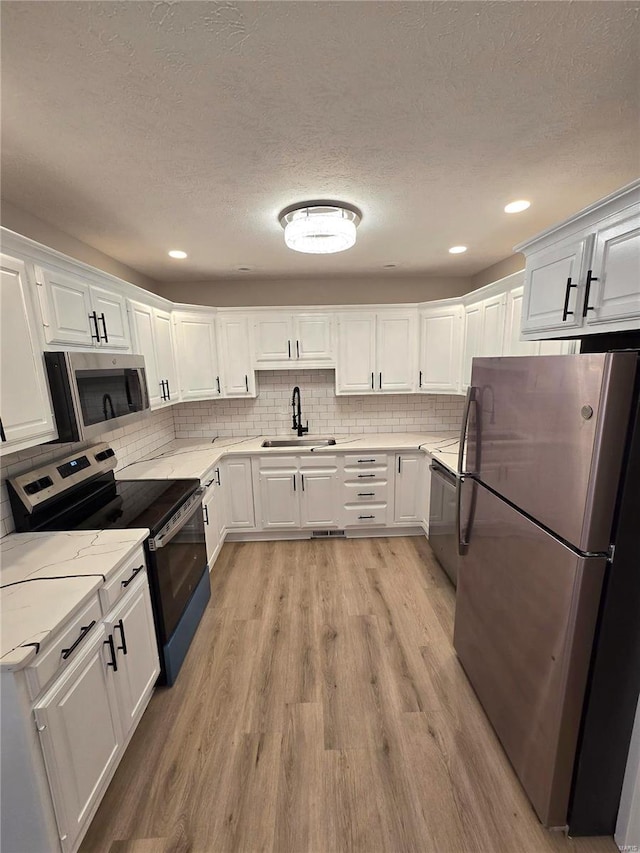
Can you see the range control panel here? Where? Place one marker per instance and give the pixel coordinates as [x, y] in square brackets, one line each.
[37, 486]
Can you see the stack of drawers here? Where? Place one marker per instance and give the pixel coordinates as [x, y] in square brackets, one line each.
[365, 490]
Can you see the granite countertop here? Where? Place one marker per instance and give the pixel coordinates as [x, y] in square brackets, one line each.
[195, 458]
[46, 577]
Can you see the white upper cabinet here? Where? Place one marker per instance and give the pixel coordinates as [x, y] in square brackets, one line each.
[440, 349]
[583, 276]
[513, 345]
[197, 355]
[484, 329]
[614, 291]
[153, 338]
[355, 371]
[284, 339]
[76, 313]
[26, 417]
[473, 316]
[397, 348]
[377, 352]
[236, 364]
[553, 286]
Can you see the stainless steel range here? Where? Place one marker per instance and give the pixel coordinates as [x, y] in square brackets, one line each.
[80, 492]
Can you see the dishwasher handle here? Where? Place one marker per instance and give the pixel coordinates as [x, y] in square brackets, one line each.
[442, 474]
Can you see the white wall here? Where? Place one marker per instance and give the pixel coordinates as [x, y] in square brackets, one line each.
[270, 413]
[130, 444]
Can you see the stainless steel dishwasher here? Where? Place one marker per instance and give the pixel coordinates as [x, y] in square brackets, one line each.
[442, 519]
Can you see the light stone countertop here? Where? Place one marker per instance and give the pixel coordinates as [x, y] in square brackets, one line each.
[195, 458]
[46, 577]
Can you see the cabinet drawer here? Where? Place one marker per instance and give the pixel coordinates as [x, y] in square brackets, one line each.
[354, 461]
[62, 650]
[117, 585]
[274, 461]
[364, 492]
[365, 516]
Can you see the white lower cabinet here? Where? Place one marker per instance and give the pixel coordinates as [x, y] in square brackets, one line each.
[81, 737]
[408, 488]
[135, 652]
[90, 685]
[213, 510]
[238, 487]
[26, 418]
[297, 492]
[319, 494]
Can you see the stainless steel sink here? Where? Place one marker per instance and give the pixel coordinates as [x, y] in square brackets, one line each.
[298, 442]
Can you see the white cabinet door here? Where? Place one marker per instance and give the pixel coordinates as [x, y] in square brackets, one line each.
[440, 350]
[80, 734]
[473, 317]
[397, 350]
[111, 315]
[279, 498]
[25, 411]
[274, 338]
[492, 337]
[548, 290]
[68, 316]
[236, 367]
[198, 376]
[355, 371]
[319, 498]
[210, 504]
[136, 649]
[615, 291]
[238, 485]
[142, 326]
[512, 343]
[163, 337]
[408, 487]
[313, 337]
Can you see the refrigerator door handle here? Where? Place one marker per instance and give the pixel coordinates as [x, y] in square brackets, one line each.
[464, 536]
[471, 398]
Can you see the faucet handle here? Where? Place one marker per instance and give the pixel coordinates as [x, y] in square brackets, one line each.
[306, 428]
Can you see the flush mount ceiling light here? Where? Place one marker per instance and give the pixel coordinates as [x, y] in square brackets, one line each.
[177, 253]
[457, 250]
[517, 206]
[320, 228]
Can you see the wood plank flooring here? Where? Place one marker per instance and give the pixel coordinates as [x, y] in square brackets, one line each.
[322, 708]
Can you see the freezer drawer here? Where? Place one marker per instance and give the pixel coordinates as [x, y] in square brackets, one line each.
[526, 611]
[548, 433]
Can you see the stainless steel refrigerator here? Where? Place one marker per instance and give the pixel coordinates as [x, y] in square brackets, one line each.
[547, 444]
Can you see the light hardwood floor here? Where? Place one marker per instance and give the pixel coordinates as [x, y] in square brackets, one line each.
[322, 708]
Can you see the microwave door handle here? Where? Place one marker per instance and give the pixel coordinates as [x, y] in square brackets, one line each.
[471, 398]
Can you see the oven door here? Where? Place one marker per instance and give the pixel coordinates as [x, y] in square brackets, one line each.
[178, 560]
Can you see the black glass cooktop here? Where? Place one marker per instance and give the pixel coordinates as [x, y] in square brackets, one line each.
[140, 503]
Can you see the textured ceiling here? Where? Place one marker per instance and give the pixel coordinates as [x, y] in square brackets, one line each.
[140, 127]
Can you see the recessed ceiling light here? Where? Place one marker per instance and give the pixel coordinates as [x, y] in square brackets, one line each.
[177, 253]
[320, 228]
[517, 206]
[390, 266]
[457, 250]
[243, 269]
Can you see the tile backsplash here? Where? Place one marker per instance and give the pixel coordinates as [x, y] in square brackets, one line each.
[270, 413]
[130, 443]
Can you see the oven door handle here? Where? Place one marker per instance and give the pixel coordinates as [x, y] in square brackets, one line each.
[165, 538]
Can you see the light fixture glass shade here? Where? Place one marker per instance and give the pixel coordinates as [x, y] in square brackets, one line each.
[320, 229]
